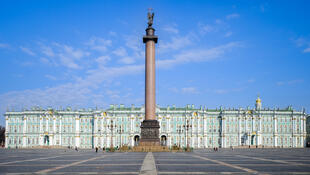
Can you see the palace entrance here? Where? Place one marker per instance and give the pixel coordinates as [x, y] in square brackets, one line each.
[252, 139]
[163, 140]
[136, 139]
[46, 140]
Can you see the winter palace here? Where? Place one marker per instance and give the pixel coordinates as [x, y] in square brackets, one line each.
[120, 125]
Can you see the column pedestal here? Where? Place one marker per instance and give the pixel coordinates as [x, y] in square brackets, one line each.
[150, 133]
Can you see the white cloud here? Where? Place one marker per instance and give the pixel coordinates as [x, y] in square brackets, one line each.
[80, 93]
[218, 21]
[174, 89]
[93, 86]
[112, 33]
[206, 28]
[307, 50]
[27, 51]
[290, 82]
[302, 42]
[171, 29]
[189, 90]
[127, 60]
[228, 34]
[47, 51]
[120, 52]
[264, 7]
[51, 77]
[102, 60]
[133, 42]
[225, 91]
[68, 62]
[221, 91]
[74, 53]
[44, 60]
[232, 16]
[252, 80]
[99, 44]
[61, 54]
[176, 43]
[198, 55]
[27, 63]
[3, 45]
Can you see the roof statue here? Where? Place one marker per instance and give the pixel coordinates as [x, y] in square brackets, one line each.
[150, 17]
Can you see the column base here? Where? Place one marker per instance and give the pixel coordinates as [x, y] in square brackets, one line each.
[150, 133]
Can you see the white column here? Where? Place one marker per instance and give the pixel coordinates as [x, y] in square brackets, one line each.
[132, 142]
[246, 130]
[54, 131]
[223, 131]
[198, 123]
[168, 123]
[41, 131]
[96, 131]
[6, 131]
[132, 117]
[253, 129]
[193, 141]
[253, 124]
[239, 130]
[54, 124]
[77, 131]
[102, 131]
[60, 130]
[47, 124]
[204, 124]
[25, 132]
[304, 132]
[108, 141]
[259, 130]
[275, 137]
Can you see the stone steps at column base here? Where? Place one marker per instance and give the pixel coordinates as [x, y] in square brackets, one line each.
[141, 148]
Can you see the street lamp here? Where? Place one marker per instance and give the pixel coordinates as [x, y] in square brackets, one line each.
[187, 126]
[111, 126]
[179, 131]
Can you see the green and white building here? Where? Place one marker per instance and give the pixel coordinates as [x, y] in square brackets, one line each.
[120, 125]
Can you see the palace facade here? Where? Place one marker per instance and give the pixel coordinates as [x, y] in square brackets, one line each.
[120, 125]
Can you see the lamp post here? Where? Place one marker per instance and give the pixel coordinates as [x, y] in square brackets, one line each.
[187, 126]
[111, 126]
[179, 131]
[120, 130]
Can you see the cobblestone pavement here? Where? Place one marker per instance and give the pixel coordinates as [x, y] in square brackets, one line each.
[202, 161]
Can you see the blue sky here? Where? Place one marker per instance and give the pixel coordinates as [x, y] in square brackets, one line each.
[90, 53]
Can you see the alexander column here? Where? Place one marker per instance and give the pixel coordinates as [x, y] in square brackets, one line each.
[150, 126]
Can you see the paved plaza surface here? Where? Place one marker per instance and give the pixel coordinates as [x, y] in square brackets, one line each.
[202, 161]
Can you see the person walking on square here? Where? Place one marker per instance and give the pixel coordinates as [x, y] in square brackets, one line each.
[96, 149]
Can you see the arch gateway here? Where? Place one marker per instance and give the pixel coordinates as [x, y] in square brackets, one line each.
[209, 127]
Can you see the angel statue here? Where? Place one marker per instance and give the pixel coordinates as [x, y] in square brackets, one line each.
[150, 17]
